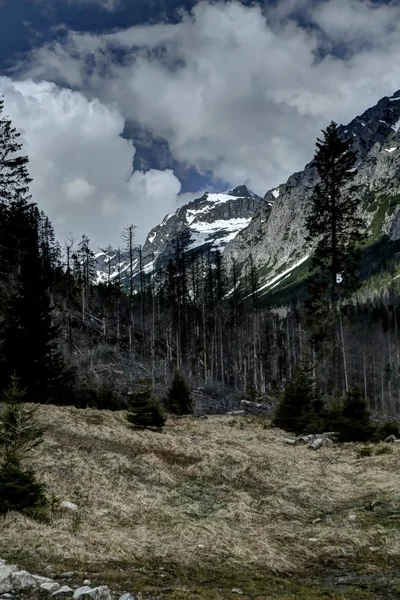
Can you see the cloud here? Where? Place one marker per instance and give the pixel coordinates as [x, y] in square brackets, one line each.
[239, 91]
[82, 167]
[236, 90]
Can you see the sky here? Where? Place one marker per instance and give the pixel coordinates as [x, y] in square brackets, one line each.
[128, 109]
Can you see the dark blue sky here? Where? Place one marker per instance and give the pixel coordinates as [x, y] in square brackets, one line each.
[26, 24]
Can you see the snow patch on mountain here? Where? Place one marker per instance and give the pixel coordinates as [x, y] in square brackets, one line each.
[218, 233]
[278, 278]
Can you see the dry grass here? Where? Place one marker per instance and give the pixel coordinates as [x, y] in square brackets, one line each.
[205, 493]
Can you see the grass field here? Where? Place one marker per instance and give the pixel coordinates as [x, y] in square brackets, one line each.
[207, 506]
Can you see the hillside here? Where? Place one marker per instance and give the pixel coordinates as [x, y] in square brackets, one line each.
[210, 505]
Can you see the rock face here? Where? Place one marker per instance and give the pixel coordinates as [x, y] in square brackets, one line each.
[207, 223]
[275, 235]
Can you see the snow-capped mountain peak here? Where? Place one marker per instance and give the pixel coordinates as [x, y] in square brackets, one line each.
[208, 223]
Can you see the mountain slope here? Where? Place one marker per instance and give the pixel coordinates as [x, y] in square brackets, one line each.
[275, 236]
[207, 223]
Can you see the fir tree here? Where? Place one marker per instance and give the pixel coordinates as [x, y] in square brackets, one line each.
[178, 400]
[19, 489]
[337, 230]
[299, 409]
[355, 423]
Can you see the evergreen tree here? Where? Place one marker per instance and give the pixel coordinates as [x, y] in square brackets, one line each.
[299, 408]
[335, 227]
[178, 400]
[146, 412]
[354, 424]
[19, 489]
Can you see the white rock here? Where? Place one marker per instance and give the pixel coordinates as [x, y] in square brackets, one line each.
[69, 505]
[5, 577]
[51, 586]
[352, 518]
[127, 597]
[7, 596]
[22, 580]
[86, 582]
[100, 593]
[67, 575]
[64, 592]
[82, 592]
[236, 591]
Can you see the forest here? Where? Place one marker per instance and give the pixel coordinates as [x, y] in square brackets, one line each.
[70, 340]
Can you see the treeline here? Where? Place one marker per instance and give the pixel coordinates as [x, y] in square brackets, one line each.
[69, 340]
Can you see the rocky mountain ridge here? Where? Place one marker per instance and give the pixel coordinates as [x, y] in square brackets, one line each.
[207, 223]
[275, 236]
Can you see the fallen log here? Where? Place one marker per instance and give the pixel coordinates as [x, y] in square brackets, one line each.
[290, 442]
[235, 413]
[305, 439]
[316, 444]
[390, 438]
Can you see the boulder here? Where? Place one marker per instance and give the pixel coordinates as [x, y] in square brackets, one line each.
[5, 577]
[51, 586]
[100, 593]
[82, 593]
[22, 580]
[63, 592]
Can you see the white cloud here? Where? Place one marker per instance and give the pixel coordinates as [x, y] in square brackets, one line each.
[81, 167]
[233, 89]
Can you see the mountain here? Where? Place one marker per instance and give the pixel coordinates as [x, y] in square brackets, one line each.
[275, 235]
[207, 223]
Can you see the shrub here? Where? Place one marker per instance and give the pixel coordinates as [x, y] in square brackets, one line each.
[178, 400]
[364, 451]
[146, 412]
[386, 429]
[383, 449]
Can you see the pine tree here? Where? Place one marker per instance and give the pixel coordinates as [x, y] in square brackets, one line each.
[355, 423]
[334, 225]
[336, 230]
[19, 435]
[299, 408]
[178, 400]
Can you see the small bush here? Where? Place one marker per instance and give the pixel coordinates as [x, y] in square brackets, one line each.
[178, 400]
[383, 449]
[364, 451]
[146, 412]
[386, 429]
[19, 490]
